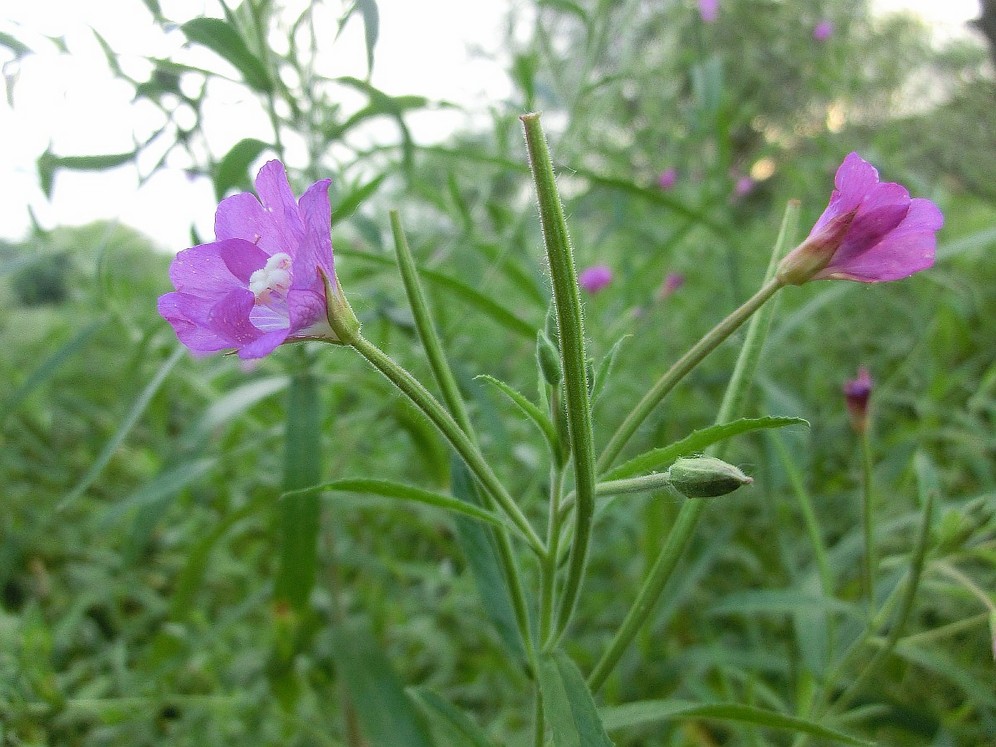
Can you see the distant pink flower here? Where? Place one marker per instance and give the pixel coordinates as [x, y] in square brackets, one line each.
[870, 232]
[258, 285]
[743, 186]
[668, 178]
[857, 392]
[672, 282]
[823, 30]
[709, 10]
[595, 278]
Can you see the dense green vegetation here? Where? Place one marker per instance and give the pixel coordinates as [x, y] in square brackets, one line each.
[140, 531]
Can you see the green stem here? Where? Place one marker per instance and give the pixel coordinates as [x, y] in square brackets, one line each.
[868, 519]
[461, 443]
[680, 369]
[570, 327]
[548, 571]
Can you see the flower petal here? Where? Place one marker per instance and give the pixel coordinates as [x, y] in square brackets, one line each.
[202, 271]
[883, 209]
[229, 317]
[278, 200]
[305, 308]
[188, 317]
[263, 345]
[315, 249]
[907, 249]
[854, 179]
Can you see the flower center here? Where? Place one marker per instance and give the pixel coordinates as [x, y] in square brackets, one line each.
[272, 281]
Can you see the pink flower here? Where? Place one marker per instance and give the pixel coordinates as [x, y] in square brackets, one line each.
[260, 284]
[672, 282]
[823, 30]
[709, 10]
[595, 278]
[743, 186]
[870, 232]
[668, 178]
[857, 392]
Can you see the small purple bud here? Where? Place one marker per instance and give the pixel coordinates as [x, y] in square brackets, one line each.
[672, 282]
[823, 30]
[668, 178]
[709, 10]
[743, 186]
[857, 392]
[595, 278]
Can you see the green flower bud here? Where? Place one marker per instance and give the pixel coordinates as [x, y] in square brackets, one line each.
[548, 359]
[705, 477]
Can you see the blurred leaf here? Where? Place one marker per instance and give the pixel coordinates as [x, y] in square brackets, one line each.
[400, 491]
[14, 45]
[230, 405]
[779, 602]
[123, 430]
[299, 514]
[653, 711]
[696, 441]
[567, 704]
[233, 169]
[353, 199]
[447, 718]
[154, 9]
[604, 370]
[223, 39]
[475, 298]
[164, 485]
[386, 713]
[49, 163]
[109, 54]
[49, 366]
[371, 28]
[480, 549]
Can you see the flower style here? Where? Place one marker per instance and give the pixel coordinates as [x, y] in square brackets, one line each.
[595, 278]
[266, 279]
[870, 232]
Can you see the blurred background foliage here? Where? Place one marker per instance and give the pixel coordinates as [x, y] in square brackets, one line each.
[139, 484]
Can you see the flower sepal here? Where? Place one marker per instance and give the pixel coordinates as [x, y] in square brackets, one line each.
[342, 320]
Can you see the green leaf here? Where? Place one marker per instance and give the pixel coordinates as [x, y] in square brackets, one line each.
[353, 199]
[653, 711]
[233, 169]
[371, 28]
[48, 163]
[474, 298]
[386, 713]
[568, 705]
[450, 722]
[480, 548]
[299, 514]
[123, 430]
[224, 40]
[229, 406]
[530, 410]
[604, 370]
[400, 491]
[16, 46]
[780, 602]
[696, 441]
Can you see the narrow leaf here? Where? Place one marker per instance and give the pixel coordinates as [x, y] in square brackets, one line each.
[299, 514]
[568, 705]
[654, 711]
[232, 170]
[123, 430]
[448, 719]
[371, 28]
[353, 199]
[400, 491]
[224, 40]
[387, 715]
[696, 441]
[529, 409]
[48, 163]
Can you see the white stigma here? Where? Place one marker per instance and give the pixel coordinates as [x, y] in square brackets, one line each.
[274, 280]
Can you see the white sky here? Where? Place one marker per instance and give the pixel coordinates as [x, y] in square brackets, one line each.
[73, 104]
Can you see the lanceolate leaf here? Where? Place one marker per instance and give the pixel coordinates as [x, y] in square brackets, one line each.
[232, 170]
[529, 409]
[568, 705]
[400, 491]
[655, 711]
[451, 722]
[49, 163]
[694, 442]
[222, 38]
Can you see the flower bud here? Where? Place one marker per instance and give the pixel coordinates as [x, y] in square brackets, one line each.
[548, 359]
[857, 392]
[705, 477]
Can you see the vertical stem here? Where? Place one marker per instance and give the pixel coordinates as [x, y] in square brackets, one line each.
[570, 327]
[868, 519]
[548, 570]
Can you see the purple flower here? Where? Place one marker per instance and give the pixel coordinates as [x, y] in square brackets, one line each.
[857, 392]
[709, 10]
[823, 30]
[672, 282]
[668, 178]
[595, 278]
[261, 283]
[870, 232]
[743, 186]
